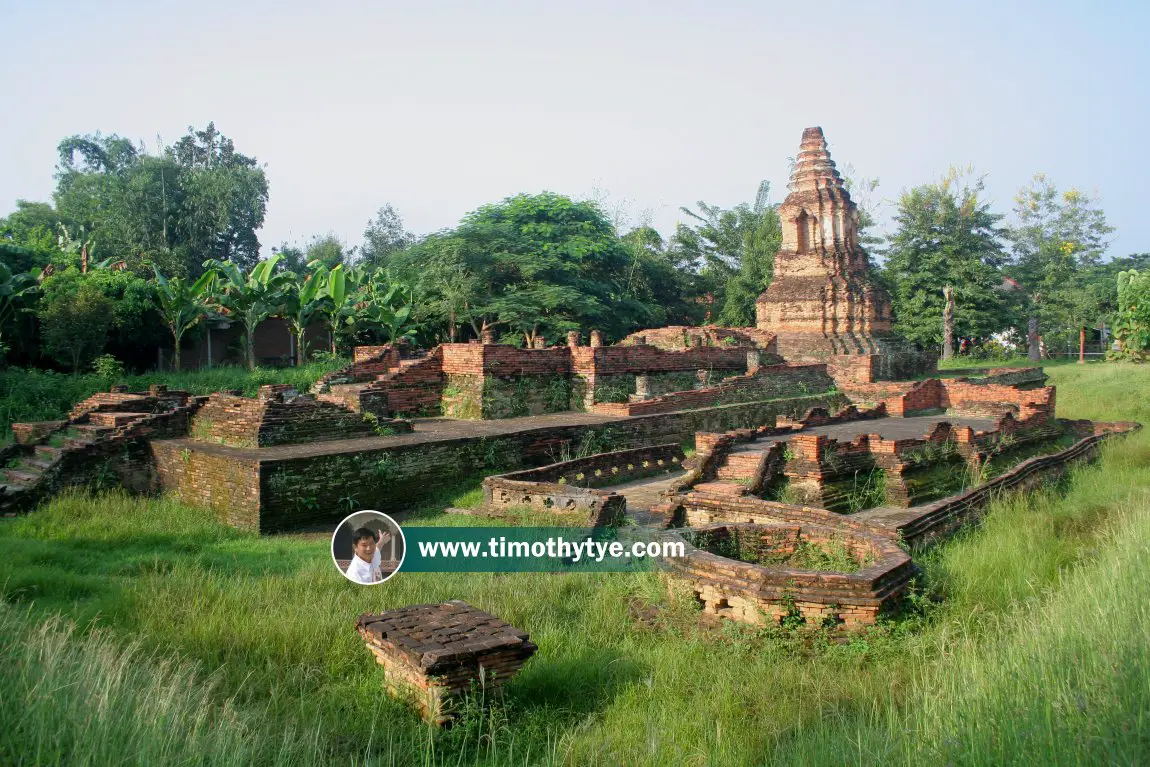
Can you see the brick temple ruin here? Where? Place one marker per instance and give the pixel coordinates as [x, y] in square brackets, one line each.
[818, 424]
[822, 304]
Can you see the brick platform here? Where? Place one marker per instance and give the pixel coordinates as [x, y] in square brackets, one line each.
[433, 654]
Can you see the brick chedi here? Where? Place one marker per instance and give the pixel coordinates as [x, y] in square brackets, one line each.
[822, 303]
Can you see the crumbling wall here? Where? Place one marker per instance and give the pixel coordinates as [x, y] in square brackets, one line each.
[679, 337]
[273, 419]
[963, 397]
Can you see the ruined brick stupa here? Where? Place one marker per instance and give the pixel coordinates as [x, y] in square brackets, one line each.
[822, 303]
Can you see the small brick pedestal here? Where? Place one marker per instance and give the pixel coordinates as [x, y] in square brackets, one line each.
[431, 654]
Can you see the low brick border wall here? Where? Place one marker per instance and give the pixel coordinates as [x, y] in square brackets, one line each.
[569, 487]
[604, 468]
[921, 525]
[760, 594]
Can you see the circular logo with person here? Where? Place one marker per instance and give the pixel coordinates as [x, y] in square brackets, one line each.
[367, 547]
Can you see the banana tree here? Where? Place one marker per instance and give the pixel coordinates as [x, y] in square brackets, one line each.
[386, 305]
[182, 305]
[13, 286]
[250, 298]
[304, 298]
[340, 287]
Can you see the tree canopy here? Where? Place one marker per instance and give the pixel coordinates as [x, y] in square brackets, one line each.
[947, 248]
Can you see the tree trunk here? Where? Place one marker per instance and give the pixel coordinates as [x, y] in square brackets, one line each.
[1082, 345]
[84, 258]
[250, 344]
[176, 351]
[301, 348]
[1032, 346]
[948, 323]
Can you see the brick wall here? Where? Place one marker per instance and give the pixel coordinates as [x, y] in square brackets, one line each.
[267, 420]
[590, 361]
[414, 389]
[761, 594]
[769, 382]
[913, 526]
[961, 396]
[604, 469]
[588, 506]
[222, 482]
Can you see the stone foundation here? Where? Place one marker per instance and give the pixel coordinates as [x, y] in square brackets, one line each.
[315, 484]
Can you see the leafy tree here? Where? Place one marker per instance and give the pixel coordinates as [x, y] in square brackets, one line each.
[536, 264]
[384, 236]
[196, 198]
[655, 279]
[29, 237]
[339, 289]
[292, 258]
[329, 250]
[384, 305]
[944, 261]
[182, 305]
[733, 251]
[1057, 239]
[80, 246]
[1132, 325]
[249, 298]
[226, 195]
[136, 327]
[75, 324]
[447, 285]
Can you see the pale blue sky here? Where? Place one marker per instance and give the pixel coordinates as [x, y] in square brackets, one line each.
[439, 107]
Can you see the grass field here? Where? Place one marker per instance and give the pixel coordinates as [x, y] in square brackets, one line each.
[142, 631]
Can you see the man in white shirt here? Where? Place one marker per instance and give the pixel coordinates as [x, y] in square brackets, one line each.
[364, 566]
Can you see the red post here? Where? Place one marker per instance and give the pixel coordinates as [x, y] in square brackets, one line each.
[1082, 345]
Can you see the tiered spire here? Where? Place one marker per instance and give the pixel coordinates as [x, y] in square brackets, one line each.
[814, 167]
[821, 282]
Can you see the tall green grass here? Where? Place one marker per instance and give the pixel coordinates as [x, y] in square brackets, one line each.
[44, 395]
[1043, 656]
[1031, 654]
[92, 699]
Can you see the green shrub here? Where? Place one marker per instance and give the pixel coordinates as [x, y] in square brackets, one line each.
[107, 366]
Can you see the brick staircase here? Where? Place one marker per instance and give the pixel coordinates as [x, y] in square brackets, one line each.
[405, 389]
[54, 459]
[744, 469]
